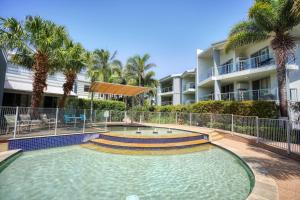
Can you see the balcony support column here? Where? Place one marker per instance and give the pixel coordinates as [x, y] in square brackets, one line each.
[217, 84]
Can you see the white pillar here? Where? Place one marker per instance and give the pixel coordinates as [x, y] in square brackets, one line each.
[217, 84]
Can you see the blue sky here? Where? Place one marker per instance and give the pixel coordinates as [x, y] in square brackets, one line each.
[169, 30]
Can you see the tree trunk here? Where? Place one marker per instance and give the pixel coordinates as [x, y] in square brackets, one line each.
[283, 45]
[67, 87]
[282, 90]
[40, 73]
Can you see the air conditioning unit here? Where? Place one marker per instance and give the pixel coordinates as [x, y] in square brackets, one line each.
[242, 86]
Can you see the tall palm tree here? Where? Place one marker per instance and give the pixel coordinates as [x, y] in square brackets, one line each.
[269, 19]
[34, 43]
[107, 63]
[119, 74]
[72, 59]
[138, 72]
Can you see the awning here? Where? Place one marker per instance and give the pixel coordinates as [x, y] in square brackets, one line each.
[117, 89]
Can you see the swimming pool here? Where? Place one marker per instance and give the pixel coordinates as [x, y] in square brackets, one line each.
[75, 172]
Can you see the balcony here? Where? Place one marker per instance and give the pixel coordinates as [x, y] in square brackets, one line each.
[164, 103]
[206, 74]
[189, 102]
[22, 71]
[259, 95]
[189, 87]
[167, 89]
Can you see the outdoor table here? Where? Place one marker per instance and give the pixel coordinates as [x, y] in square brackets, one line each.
[75, 120]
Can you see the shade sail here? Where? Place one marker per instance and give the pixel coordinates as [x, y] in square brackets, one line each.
[117, 89]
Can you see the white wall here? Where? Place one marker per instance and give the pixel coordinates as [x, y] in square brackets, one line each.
[176, 90]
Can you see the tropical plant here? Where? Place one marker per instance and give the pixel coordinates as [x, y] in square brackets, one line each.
[72, 61]
[119, 74]
[269, 19]
[296, 8]
[107, 63]
[34, 44]
[138, 71]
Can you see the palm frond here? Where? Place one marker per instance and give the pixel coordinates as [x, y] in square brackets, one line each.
[264, 15]
[244, 33]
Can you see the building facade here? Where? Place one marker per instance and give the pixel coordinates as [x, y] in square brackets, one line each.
[248, 73]
[17, 85]
[177, 89]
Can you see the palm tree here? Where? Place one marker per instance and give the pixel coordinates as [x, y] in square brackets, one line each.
[72, 63]
[296, 8]
[34, 43]
[106, 63]
[269, 19]
[138, 72]
[119, 74]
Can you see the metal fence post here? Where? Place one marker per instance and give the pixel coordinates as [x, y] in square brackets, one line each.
[159, 117]
[257, 129]
[109, 115]
[190, 119]
[16, 122]
[125, 116]
[140, 118]
[83, 128]
[56, 116]
[176, 121]
[232, 128]
[288, 131]
[211, 119]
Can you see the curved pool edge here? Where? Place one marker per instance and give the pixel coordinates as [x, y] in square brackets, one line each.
[8, 157]
[264, 187]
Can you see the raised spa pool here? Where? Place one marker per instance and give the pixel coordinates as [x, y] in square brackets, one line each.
[75, 172]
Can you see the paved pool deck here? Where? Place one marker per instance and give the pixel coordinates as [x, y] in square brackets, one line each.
[276, 176]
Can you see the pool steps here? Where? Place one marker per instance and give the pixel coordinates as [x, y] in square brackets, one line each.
[143, 142]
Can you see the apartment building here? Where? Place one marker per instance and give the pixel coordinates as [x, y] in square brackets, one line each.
[177, 89]
[247, 73]
[17, 85]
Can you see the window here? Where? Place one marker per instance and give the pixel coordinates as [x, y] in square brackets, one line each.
[86, 88]
[260, 57]
[227, 88]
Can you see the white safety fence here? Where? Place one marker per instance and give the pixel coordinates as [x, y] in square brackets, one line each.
[16, 122]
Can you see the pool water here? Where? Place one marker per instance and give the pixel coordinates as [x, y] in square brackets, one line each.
[75, 173]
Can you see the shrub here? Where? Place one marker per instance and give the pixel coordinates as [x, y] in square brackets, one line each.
[79, 103]
[262, 109]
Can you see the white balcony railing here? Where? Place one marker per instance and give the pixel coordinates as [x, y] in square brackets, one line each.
[189, 102]
[248, 63]
[259, 95]
[188, 86]
[262, 94]
[164, 103]
[206, 74]
[207, 97]
[167, 89]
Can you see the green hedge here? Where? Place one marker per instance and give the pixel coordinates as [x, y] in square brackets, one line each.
[79, 103]
[262, 109]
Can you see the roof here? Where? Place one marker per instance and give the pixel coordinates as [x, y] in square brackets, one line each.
[117, 89]
[169, 77]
